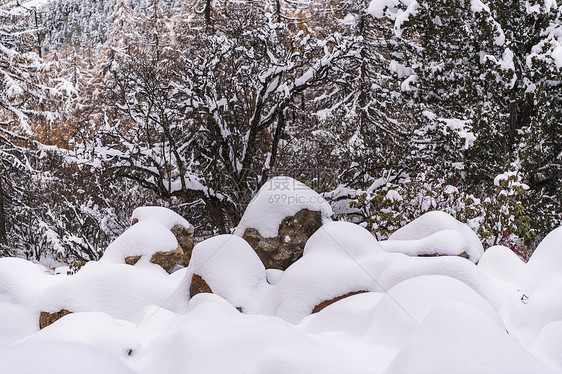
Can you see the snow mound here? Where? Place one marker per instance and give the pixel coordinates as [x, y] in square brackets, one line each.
[114, 336]
[330, 268]
[119, 290]
[539, 308]
[278, 198]
[547, 258]
[164, 216]
[59, 357]
[232, 269]
[509, 274]
[20, 280]
[316, 278]
[142, 239]
[444, 242]
[429, 225]
[549, 344]
[458, 338]
[213, 338]
[394, 268]
[343, 238]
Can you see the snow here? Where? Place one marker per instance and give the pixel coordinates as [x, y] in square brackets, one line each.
[443, 242]
[548, 344]
[116, 289]
[398, 11]
[462, 128]
[342, 239]
[393, 195]
[435, 232]
[546, 261]
[166, 217]
[278, 198]
[60, 358]
[478, 6]
[19, 282]
[213, 337]
[377, 8]
[116, 337]
[458, 338]
[418, 314]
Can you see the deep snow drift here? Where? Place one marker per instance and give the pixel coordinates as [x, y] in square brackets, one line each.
[403, 313]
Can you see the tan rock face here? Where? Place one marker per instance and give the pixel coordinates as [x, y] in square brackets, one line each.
[185, 240]
[168, 260]
[324, 304]
[132, 260]
[46, 318]
[287, 247]
[198, 285]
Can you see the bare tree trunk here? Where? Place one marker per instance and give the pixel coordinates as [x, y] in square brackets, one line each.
[278, 10]
[3, 236]
[208, 17]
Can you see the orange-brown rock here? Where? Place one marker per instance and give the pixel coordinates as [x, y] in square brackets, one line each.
[198, 285]
[46, 318]
[324, 304]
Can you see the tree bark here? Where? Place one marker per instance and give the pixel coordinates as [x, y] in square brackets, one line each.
[3, 235]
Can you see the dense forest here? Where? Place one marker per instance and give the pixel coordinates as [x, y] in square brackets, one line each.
[389, 108]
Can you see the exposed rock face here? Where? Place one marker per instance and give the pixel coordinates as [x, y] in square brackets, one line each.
[169, 260]
[198, 285]
[281, 251]
[46, 318]
[324, 304]
[463, 255]
[132, 260]
[185, 240]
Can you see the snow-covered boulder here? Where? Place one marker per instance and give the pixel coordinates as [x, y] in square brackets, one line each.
[119, 290]
[59, 357]
[179, 226]
[227, 266]
[144, 243]
[435, 234]
[280, 219]
[330, 270]
[456, 337]
[20, 280]
[546, 261]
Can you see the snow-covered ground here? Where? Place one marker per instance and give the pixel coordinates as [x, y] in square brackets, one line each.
[406, 314]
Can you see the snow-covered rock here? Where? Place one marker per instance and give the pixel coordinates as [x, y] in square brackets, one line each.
[60, 357]
[546, 261]
[164, 216]
[280, 219]
[455, 337]
[435, 233]
[145, 243]
[179, 226]
[213, 338]
[119, 290]
[228, 267]
[329, 270]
